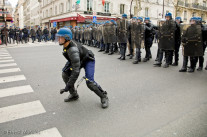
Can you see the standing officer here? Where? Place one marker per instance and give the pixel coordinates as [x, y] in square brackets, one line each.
[204, 36]
[177, 40]
[78, 57]
[39, 34]
[166, 40]
[122, 27]
[11, 34]
[46, 34]
[138, 38]
[148, 38]
[25, 35]
[33, 34]
[193, 44]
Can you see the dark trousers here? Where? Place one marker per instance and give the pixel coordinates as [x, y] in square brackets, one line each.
[33, 39]
[177, 48]
[123, 47]
[11, 37]
[167, 56]
[148, 45]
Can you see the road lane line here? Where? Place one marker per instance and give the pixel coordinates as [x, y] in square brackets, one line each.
[8, 65]
[12, 78]
[15, 91]
[19, 111]
[53, 132]
[2, 71]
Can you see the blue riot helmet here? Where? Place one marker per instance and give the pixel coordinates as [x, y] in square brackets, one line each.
[168, 15]
[193, 20]
[66, 33]
[124, 16]
[140, 18]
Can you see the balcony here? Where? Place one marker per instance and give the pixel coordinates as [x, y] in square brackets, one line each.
[180, 3]
[195, 6]
[186, 5]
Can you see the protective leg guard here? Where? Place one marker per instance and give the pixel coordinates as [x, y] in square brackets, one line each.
[93, 86]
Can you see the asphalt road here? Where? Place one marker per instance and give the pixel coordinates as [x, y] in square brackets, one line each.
[145, 101]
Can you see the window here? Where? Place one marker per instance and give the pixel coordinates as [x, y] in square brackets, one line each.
[46, 13]
[106, 7]
[61, 8]
[68, 5]
[178, 13]
[146, 12]
[55, 10]
[50, 11]
[204, 3]
[89, 5]
[185, 15]
[202, 16]
[121, 8]
[194, 14]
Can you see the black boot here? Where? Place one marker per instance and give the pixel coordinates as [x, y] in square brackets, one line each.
[72, 97]
[145, 59]
[122, 58]
[175, 64]
[185, 63]
[199, 68]
[100, 92]
[191, 70]
[166, 65]
[136, 62]
[131, 57]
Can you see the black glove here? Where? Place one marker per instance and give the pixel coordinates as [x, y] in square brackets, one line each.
[184, 40]
[62, 91]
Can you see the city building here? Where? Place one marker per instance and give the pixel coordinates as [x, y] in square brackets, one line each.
[190, 8]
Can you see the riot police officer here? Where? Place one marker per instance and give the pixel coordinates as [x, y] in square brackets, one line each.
[166, 40]
[204, 37]
[11, 34]
[39, 34]
[122, 37]
[137, 38]
[33, 34]
[148, 38]
[193, 45]
[177, 40]
[46, 34]
[78, 57]
[25, 34]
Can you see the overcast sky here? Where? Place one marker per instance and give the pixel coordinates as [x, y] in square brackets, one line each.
[13, 2]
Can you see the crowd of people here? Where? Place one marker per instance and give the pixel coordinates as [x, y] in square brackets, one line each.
[16, 35]
[139, 33]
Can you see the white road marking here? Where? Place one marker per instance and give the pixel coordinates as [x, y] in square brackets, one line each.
[4, 61]
[8, 65]
[15, 91]
[53, 132]
[5, 57]
[12, 78]
[19, 111]
[2, 71]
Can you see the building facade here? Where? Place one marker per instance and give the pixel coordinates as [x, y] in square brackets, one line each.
[67, 12]
[60, 13]
[190, 8]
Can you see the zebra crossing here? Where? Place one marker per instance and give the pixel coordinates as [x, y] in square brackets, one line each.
[24, 109]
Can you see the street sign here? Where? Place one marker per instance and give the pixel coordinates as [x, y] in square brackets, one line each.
[54, 24]
[94, 19]
[4, 12]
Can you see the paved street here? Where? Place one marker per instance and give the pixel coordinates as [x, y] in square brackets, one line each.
[145, 101]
